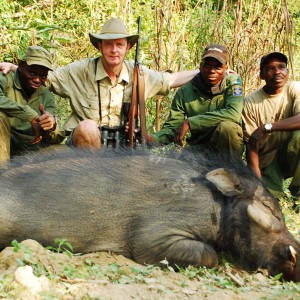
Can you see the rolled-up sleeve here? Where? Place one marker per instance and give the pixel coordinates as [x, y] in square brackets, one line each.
[156, 83]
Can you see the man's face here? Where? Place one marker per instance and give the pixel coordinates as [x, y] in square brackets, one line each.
[212, 71]
[114, 51]
[275, 74]
[32, 76]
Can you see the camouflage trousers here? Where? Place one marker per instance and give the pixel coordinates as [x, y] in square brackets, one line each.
[285, 165]
[228, 137]
[13, 142]
[4, 137]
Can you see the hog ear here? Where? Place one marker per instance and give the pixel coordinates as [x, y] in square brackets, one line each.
[225, 181]
[263, 216]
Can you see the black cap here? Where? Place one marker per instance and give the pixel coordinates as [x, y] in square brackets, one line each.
[265, 59]
[216, 51]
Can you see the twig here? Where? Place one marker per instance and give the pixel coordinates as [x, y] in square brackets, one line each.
[236, 280]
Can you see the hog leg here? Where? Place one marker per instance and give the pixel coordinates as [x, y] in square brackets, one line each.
[187, 252]
[152, 244]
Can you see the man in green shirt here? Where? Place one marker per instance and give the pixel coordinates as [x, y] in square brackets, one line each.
[209, 107]
[27, 119]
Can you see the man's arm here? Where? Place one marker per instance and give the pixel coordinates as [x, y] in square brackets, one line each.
[253, 160]
[180, 78]
[175, 119]
[290, 124]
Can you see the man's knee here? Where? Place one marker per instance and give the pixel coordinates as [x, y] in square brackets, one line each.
[87, 135]
[228, 136]
[294, 143]
[230, 129]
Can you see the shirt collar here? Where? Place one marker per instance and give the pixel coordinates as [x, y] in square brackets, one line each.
[17, 80]
[101, 73]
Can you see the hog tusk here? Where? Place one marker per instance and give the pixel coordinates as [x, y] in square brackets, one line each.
[293, 255]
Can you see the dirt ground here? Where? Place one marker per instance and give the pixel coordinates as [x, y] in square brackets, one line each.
[103, 275]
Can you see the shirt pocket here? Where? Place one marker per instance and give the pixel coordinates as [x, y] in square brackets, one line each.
[89, 107]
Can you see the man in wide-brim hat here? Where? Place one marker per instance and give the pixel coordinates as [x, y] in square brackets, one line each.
[98, 87]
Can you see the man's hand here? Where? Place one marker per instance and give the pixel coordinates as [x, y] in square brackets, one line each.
[36, 130]
[255, 137]
[6, 67]
[46, 120]
[149, 138]
[181, 132]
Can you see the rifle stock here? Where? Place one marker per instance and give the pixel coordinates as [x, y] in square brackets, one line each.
[137, 106]
[133, 110]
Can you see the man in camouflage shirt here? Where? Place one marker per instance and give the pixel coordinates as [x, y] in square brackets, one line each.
[27, 119]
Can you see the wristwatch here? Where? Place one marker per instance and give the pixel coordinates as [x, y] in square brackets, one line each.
[268, 128]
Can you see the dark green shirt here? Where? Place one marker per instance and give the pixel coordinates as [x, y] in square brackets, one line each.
[203, 109]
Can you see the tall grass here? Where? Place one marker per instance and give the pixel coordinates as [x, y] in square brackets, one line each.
[174, 33]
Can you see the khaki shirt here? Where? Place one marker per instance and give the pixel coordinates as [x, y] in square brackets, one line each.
[79, 82]
[261, 108]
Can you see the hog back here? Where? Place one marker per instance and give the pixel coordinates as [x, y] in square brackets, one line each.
[107, 202]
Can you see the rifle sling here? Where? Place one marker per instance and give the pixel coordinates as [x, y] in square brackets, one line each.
[98, 86]
[141, 103]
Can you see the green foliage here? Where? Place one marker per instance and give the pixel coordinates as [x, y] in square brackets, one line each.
[174, 34]
[28, 258]
[113, 272]
[62, 246]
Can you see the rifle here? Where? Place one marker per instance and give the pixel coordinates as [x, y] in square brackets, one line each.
[137, 106]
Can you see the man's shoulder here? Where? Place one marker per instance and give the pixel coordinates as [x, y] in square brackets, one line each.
[234, 78]
[188, 88]
[7, 79]
[188, 92]
[255, 96]
[293, 86]
[46, 93]
[78, 64]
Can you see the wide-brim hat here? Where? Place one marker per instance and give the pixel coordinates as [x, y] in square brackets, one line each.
[113, 29]
[36, 55]
[216, 51]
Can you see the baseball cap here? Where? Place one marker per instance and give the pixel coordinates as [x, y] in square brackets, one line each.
[265, 59]
[36, 55]
[216, 51]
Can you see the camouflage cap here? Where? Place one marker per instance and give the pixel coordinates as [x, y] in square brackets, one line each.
[36, 55]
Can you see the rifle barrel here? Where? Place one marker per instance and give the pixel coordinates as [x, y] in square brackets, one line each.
[137, 49]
